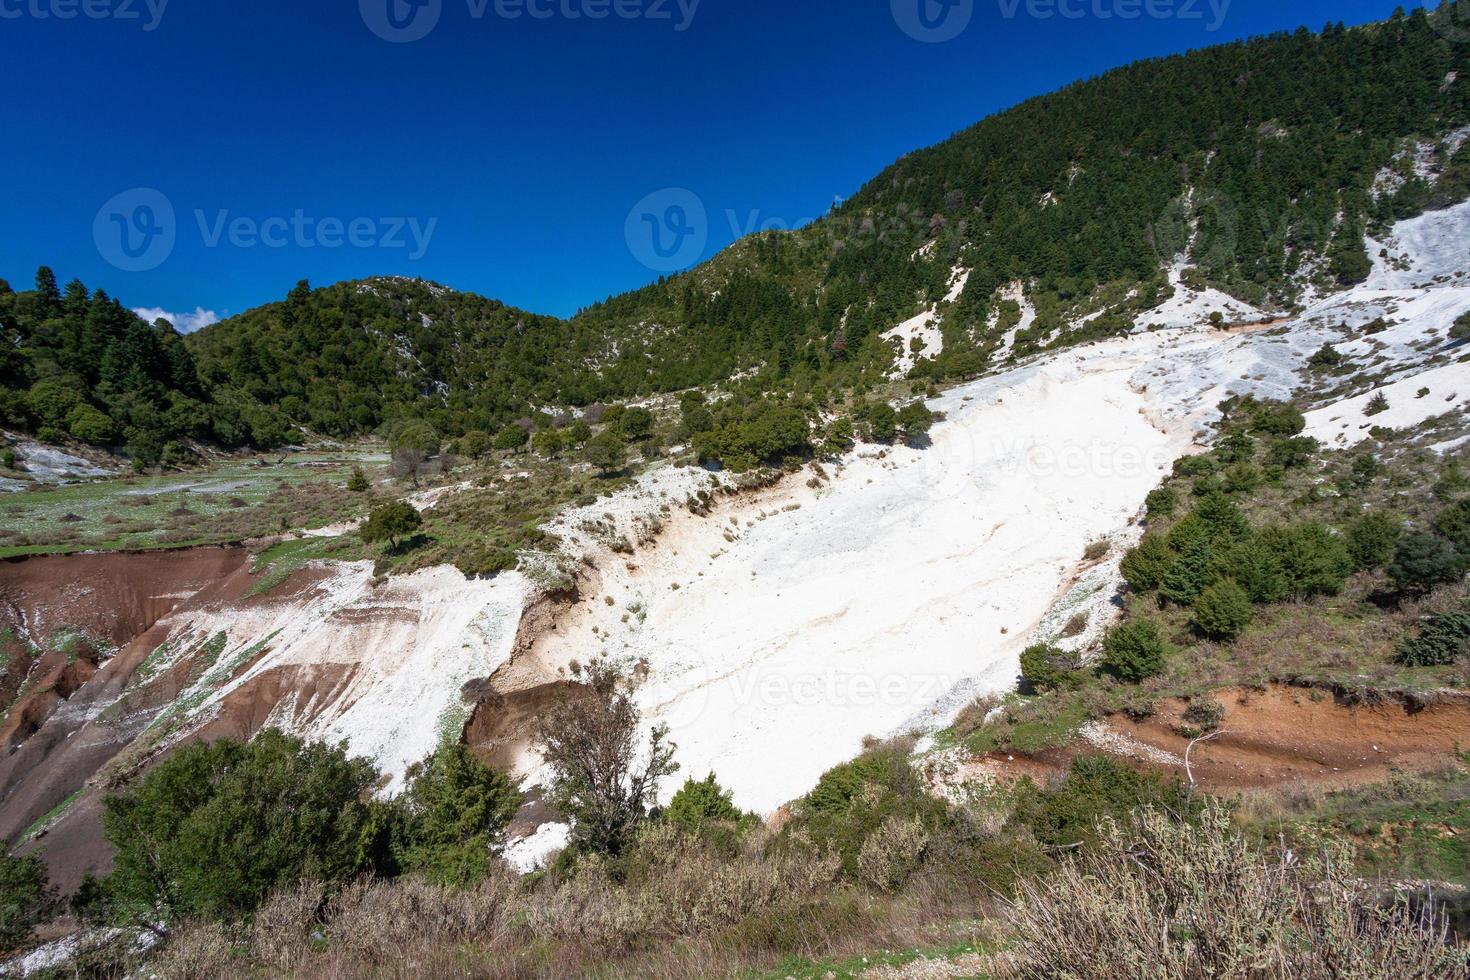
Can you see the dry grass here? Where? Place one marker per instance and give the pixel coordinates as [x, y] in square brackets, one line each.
[1167, 899]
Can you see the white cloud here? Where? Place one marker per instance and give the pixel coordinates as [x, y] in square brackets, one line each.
[183, 322]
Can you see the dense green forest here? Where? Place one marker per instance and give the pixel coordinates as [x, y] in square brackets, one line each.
[1256, 159]
[77, 365]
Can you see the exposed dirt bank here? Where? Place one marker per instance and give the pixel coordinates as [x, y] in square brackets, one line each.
[1277, 738]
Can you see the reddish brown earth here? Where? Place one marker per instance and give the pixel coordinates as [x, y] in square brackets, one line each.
[1281, 737]
[56, 735]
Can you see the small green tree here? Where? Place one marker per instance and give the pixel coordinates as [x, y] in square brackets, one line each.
[213, 829]
[915, 420]
[1145, 567]
[1454, 523]
[26, 898]
[358, 482]
[1313, 559]
[1134, 651]
[392, 523]
[882, 422]
[1371, 540]
[457, 811]
[579, 432]
[1189, 576]
[474, 443]
[1423, 561]
[1223, 611]
[511, 438]
[1046, 667]
[607, 452]
[548, 442]
[635, 424]
[701, 803]
[1162, 503]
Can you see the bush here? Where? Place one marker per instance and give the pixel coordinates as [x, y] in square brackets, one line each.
[1256, 569]
[1134, 651]
[607, 452]
[457, 809]
[1162, 503]
[1190, 575]
[1313, 560]
[213, 829]
[853, 801]
[1163, 898]
[1046, 667]
[1454, 523]
[635, 424]
[474, 443]
[1371, 540]
[26, 898]
[511, 438]
[392, 523]
[1145, 567]
[882, 422]
[1223, 611]
[1441, 641]
[701, 803]
[90, 426]
[1377, 405]
[1278, 419]
[1327, 358]
[1293, 453]
[1461, 329]
[358, 483]
[1423, 561]
[1096, 786]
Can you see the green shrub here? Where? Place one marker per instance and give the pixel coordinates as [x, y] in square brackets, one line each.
[854, 800]
[392, 523]
[1461, 329]
[1046, 667]
[1377, 405]
[1189, 575]
[882, 422]
[1293, 453]
[1162, 503]
[635, 424]
[474, 443]
[1326, 358]
[214, 828]
[26, 898]
[358, 482]
[457, 809]
[1371, 540]
[1223, 611]
[1313, 560]
[1095, 787]
[1440, 642]
[91, 426]
[511, 438]
[1145, 567]
[1256, 569]
[1278, 419]
[1134, 651]
[1423, 561]
[1454, 523]
[701, 803]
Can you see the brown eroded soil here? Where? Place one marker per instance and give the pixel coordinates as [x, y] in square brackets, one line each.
[1278, 737]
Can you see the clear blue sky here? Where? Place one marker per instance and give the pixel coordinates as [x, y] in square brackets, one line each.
[527, 141]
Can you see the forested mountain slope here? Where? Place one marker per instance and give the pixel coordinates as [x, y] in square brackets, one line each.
[1266, 161]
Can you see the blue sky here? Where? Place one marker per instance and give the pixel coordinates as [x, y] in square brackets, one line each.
[501, 152]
